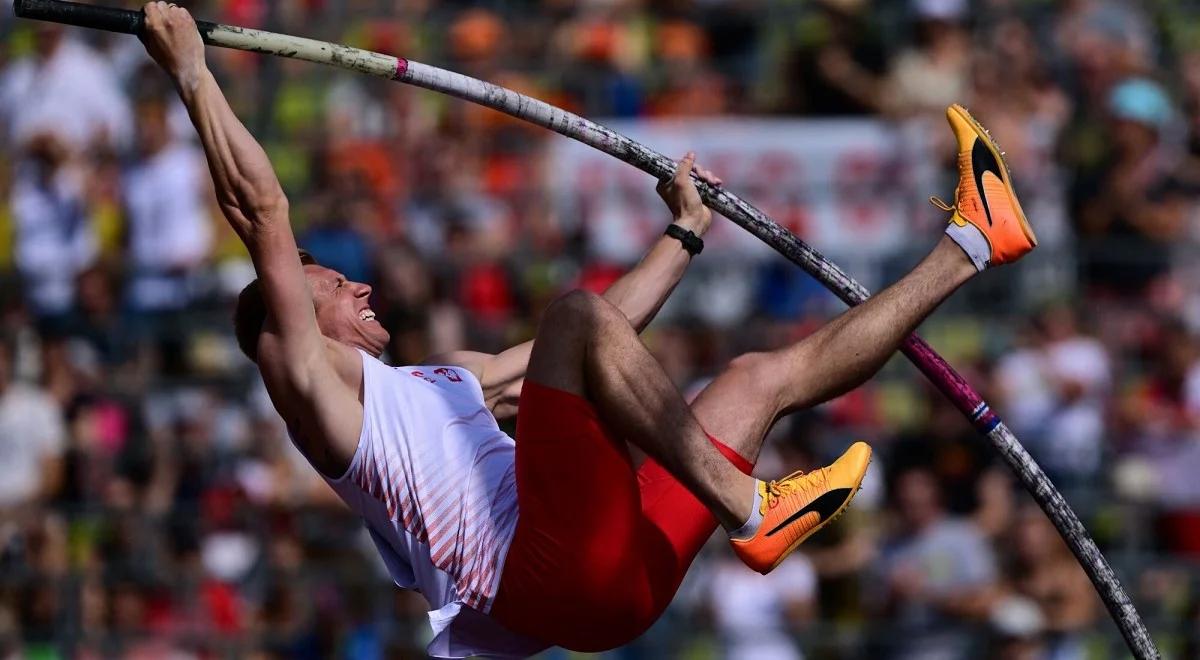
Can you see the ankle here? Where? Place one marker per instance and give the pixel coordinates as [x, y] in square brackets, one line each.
[964, 249]
[753, 520]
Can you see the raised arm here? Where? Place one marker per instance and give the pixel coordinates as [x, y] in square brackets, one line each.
[313, 382]
[640, 293]
[246, 186]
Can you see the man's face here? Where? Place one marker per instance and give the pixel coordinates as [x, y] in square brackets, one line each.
[343, 311]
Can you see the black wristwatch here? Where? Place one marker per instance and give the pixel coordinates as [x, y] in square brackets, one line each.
[691, 242]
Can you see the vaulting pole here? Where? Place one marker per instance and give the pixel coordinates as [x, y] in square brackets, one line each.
[939, 372]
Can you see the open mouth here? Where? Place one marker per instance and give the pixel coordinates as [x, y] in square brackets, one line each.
[366, 315]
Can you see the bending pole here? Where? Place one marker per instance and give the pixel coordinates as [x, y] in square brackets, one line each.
[748, 217]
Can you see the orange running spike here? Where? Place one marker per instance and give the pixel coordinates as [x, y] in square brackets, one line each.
[985, 197]
[795, 507]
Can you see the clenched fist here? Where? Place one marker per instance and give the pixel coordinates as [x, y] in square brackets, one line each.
[171, 38]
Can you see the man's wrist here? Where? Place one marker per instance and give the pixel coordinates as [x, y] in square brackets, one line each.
[687, 238]
[189, 79]
[691, 224]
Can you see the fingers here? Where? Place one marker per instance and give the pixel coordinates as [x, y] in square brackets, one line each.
[684, 167]
[687, 165]
[708, 177]
[682, 178]
[159, 13]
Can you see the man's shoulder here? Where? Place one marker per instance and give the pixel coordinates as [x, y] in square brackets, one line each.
[280, 375]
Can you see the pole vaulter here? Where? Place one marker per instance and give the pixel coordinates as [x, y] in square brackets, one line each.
[935, 368]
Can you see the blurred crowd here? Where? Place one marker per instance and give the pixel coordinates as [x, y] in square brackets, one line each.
[152, 506]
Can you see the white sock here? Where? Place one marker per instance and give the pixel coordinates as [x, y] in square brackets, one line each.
[750, 528]
[972, 241]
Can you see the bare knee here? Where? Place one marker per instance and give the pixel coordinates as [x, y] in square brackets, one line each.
[787, 377]
[580, 309]
[759, 375]
[751, 377]
[576, 301]
[753, 370]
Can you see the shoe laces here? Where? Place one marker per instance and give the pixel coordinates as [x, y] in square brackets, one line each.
[778, 488]
[950, 208]
[941, 204]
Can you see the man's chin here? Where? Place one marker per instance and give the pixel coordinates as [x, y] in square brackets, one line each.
[379, 343]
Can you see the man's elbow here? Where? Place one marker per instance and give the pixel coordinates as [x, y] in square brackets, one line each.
[255, 218]
[267, 208]
[257, 203]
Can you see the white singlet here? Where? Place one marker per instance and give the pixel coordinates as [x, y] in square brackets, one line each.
[434, 479]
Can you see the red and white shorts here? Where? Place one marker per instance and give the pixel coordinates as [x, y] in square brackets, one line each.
[600, 546]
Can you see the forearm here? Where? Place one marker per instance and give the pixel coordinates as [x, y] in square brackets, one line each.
[638, 294]
[641, 292]
[250, 198]
[245, 183]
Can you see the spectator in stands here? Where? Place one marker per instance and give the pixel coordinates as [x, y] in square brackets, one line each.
[937, 574]
[755, 615]
[336, 240]
[1190, 103]
[1013, 87]
[840, 72]
[32, 440]
[54, 236]
[1016, 627]
[1157, 413]
[168, 202]
[600, 52]
[1058, 389]
[65, 89]
[1132, 206]
[1043, 570]
[98, 331]
[931, 75]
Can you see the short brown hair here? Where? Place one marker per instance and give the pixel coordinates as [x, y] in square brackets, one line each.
[251, 313]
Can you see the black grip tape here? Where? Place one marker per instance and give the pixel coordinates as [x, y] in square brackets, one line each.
[126, 21]
[111, 19]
